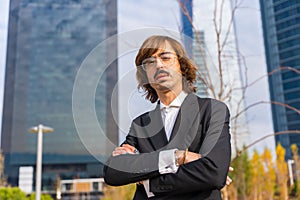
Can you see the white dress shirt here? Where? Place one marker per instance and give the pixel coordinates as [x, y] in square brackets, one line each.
[169, 113]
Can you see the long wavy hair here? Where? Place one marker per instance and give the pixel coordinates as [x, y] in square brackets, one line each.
[150, 46]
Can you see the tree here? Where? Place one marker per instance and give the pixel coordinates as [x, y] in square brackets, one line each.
[296, 189]
[282, 172]
[257, 177]
[125, 192]
[12, 193]
[295, 153]
[240, 188]
[43, 197]
[269, 178]
[3, 181]
[218, 61]
[15, 193]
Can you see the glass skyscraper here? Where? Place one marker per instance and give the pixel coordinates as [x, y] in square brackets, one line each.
[47, 42]
[281, 28]
[186, 8]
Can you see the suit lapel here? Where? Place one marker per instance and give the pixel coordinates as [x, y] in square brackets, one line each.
[156, 130]
[180, 137]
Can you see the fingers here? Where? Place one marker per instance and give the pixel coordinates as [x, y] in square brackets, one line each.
[124, 149]
[228, 180]
[129, 147]
[121, 150]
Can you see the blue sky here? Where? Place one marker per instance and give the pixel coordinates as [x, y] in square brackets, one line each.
[148, 14]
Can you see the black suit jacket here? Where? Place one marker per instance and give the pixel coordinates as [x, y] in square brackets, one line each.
[202, 126]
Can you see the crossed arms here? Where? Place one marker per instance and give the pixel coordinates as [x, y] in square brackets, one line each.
[195, 173]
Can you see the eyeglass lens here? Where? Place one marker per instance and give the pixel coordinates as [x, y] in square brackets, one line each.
[166, 59]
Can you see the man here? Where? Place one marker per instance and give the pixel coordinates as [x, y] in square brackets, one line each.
[181, 149]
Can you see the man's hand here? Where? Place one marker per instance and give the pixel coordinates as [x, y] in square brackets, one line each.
[191, 156]
[228, 179]
[186, 157]
[124, 149]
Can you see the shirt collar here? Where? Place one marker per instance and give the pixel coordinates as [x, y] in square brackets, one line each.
[176, 102]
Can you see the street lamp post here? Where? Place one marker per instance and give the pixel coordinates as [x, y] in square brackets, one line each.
[40, 129]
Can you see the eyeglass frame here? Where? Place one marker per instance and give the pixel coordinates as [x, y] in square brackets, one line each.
[160, 58]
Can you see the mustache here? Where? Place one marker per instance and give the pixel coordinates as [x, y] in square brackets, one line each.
[160, 72]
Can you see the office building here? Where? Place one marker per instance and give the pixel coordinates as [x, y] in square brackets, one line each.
[281, 30]
[48, 40]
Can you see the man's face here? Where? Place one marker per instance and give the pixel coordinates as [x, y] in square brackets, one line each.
[163, 70]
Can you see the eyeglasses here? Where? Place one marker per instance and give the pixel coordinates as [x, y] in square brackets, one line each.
[166, 58]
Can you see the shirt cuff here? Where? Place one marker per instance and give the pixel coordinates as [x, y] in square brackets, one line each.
[147, 188]
[166, 162]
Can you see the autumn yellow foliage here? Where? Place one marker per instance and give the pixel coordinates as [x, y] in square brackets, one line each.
[125, 192]
[282, 172]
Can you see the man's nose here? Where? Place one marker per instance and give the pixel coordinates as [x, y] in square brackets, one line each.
[159, 63]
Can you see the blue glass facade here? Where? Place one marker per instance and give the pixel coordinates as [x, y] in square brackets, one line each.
[186, 13]
[281, 27]
[191, 42]
[47, 42]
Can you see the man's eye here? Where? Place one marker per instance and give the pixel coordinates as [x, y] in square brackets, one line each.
[150, 62]
[165, 58]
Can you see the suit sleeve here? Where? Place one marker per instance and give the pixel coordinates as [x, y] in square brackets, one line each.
[131, 168]
[208, 172]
